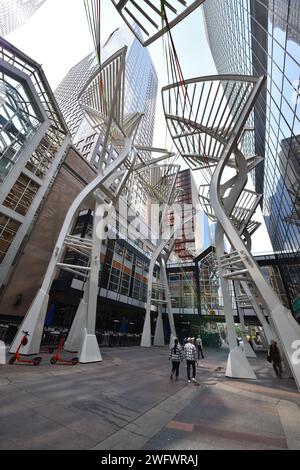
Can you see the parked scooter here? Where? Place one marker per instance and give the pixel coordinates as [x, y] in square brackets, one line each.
[58, 356]
[17, 356]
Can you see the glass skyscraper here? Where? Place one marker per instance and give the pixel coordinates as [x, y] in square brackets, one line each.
[14, 13]
[262, 37]
[141, 86]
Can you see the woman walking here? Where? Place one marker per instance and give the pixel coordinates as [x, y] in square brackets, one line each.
[176, 355]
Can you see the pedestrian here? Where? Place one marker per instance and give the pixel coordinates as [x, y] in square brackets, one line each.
[274, 357]
[176, 355]
[199, 347]
[190, 357]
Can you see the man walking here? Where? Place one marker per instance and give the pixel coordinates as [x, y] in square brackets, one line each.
[190, 357]
[275, 358]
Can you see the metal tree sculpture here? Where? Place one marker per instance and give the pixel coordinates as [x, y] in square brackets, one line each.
[206, 118]
[151, 18]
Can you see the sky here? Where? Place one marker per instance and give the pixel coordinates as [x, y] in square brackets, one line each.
[57, 36]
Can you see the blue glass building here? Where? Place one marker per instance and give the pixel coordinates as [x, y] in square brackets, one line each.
[141, 86]
[262, 37]
[14, 13]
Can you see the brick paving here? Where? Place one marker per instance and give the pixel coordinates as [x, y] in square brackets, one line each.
[129, 402]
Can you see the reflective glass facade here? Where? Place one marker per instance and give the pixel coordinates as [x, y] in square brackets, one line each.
[141, 85]
[18, 122]
[262, 37]
[14, 13]
[182, 284]
[70, 88]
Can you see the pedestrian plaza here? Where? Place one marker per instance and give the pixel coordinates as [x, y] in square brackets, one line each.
[128, 402]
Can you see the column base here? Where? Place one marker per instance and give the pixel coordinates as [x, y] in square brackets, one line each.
[34, 324]
[159, 338]
[248, 351]
[146, 336]
[90, 351]
[76, 334]
[238, 366]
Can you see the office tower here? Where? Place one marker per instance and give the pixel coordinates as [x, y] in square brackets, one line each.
[14, 13]
[140, 91]
[141, 85]
[288, 189]
[70, 88]
[194, 233]
[33, 141]
[262, 38]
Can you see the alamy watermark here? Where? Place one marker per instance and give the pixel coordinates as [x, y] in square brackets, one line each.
[164, 221]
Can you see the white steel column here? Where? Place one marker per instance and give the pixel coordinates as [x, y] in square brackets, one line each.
[89, 351]
[237, 363]
[249, 352]
[168, 300]
[265, 325]
[287, 329]
[159, 337]
[75, 337]
[146, 336]
[35, 318]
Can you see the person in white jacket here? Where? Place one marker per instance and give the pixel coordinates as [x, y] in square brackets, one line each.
[190, 357]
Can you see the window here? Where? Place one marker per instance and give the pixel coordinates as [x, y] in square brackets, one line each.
[174, 278]
[44, 154]
[136, 289]
[8, 230]
[21, 195]
[125, 284]
[119, 250]
[114, 280]
[17, 120]
[129, 256]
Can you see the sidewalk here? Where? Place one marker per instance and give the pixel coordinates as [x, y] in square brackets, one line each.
[129, 402]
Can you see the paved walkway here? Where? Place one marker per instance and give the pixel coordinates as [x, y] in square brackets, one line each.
[129, 402]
